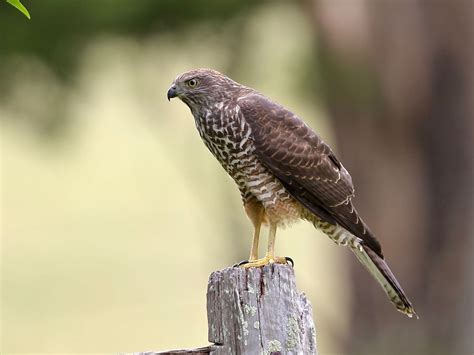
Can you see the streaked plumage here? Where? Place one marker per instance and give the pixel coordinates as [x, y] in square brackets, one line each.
[284, 170]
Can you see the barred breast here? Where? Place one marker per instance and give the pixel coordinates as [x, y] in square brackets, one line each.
[230, 141]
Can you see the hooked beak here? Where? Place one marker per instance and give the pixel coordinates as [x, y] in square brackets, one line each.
[172, 92]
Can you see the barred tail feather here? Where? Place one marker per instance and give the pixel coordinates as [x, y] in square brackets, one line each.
[382, 273]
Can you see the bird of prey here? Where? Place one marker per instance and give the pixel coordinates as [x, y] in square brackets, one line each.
[284, 171]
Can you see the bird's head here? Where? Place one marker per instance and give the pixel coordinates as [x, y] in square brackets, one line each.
[201, 87]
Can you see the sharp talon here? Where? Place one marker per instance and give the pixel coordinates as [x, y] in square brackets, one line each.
[290, 261]
[243, 262]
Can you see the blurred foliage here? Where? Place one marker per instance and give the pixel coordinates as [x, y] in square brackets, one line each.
[61, 31]
[60, 28]
[19, 6]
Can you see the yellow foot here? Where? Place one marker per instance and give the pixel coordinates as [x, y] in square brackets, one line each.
[265, 261]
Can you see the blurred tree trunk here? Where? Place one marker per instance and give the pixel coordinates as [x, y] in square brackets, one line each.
[398, 80]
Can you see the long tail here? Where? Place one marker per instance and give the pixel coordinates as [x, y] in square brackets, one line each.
[382, 273]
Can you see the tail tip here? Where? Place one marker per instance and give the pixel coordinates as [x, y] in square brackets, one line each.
[409, 312]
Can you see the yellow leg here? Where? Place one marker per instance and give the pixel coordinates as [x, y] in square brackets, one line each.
[256, 237]
[271, 240]
[270, 257]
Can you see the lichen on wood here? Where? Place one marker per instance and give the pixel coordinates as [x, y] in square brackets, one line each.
[259, 311]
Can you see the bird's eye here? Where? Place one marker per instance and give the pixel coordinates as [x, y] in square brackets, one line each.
[192, 83]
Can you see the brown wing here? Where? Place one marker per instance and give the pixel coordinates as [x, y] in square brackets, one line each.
[304, 164]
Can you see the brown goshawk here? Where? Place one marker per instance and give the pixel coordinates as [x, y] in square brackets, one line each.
[283, 169]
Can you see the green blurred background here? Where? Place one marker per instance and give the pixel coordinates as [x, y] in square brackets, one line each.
[113, 213]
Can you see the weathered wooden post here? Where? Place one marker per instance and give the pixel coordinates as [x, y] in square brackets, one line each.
[256, 311]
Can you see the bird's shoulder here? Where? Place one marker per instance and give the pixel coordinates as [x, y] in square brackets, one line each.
[261, 111]
[275, 127]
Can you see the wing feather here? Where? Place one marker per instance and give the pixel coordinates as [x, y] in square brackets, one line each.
[305, 165]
